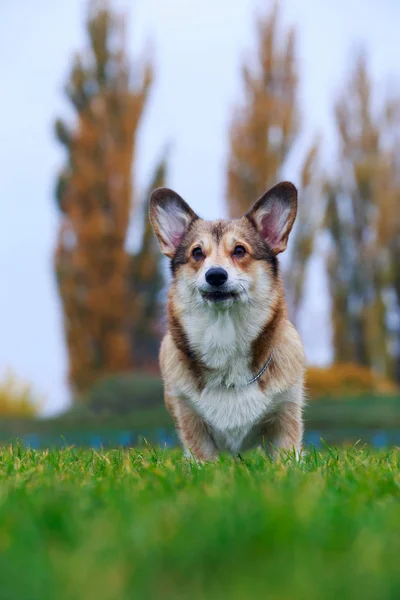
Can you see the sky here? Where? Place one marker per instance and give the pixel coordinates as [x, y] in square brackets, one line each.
[197, 49]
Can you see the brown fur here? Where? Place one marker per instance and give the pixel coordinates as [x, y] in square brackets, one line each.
[284, 430]
[193, 364]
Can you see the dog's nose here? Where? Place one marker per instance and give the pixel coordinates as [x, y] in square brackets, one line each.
[216, 276]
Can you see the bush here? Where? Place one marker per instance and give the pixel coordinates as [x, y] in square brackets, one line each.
[125, 393]
[346, 380]
[122, 394]
[17, 398]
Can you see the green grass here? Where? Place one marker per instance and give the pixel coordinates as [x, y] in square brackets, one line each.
[151, 525]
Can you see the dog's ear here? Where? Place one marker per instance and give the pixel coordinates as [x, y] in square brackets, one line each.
[170, 217]
[273, 215]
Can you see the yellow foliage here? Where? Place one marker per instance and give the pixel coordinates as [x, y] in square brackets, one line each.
[344, 380]
[17, 398]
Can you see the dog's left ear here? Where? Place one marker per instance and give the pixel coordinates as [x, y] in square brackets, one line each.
[273, 215]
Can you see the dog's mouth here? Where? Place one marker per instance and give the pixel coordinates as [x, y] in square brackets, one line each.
[219, 296]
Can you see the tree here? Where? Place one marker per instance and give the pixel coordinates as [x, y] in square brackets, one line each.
[308, 223]
[95, 195]
[363, 221]
[263, 129]
[147, 282]
[262, 133]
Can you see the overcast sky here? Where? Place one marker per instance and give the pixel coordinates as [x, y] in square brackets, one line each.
[197, 47]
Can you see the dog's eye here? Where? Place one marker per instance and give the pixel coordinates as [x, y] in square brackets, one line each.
[239, 251]
[197, 253]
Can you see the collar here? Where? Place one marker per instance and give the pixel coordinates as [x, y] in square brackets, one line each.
[261, 373]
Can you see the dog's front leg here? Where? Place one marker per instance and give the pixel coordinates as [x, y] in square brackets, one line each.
[284, 431]
[192, 430]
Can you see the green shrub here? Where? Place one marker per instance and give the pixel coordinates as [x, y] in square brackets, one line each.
[122, 394]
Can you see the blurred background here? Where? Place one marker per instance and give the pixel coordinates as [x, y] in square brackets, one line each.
[103, 101]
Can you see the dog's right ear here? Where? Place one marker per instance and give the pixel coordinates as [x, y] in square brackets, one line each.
[170, 217]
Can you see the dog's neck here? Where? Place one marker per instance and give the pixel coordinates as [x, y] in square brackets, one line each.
[232, 344]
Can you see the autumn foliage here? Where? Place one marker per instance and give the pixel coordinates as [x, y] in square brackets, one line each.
[345, 380]
[146, 282]
[96, 196]
[263, 131]
[264, 126]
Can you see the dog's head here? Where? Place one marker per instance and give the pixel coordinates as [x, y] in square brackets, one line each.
[221, 263]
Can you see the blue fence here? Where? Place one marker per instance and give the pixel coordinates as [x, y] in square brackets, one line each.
[168, 438]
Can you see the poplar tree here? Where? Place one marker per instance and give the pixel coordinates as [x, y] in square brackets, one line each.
[363, 220]
[263, 131]
[95, 196]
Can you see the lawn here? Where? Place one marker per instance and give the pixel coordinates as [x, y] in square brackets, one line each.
[151, 525]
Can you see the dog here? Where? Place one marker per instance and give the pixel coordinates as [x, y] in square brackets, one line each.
[232, 363]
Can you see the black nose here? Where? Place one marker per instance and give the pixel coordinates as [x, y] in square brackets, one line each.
[216, 276]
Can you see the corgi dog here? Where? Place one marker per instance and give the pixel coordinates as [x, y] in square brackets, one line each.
[232, 363]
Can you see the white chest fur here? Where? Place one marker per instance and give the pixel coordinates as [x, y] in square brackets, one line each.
[222, 339]
[231, 413]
